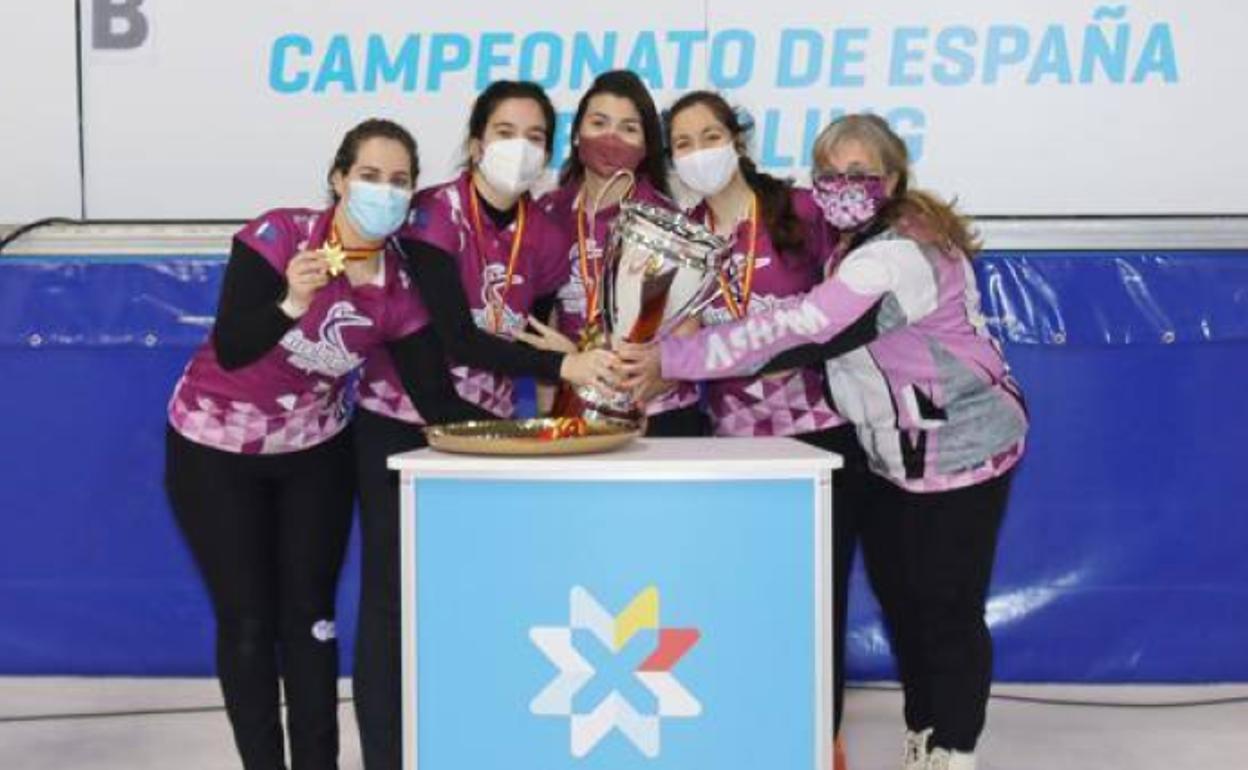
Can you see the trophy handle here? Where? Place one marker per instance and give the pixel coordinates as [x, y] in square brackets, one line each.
[693, 311]
[711, 290]
[617, 176]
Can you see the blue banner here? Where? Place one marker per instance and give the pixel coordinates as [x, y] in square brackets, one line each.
[1121, 558]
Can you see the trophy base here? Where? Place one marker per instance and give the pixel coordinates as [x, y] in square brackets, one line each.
[591, 403]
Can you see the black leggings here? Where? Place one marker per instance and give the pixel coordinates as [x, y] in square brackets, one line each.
[929, 557]
[269, 534]
[848, 488]
[685, 421]
[377, 678]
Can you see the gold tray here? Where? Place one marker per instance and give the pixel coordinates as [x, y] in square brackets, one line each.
[523, 437]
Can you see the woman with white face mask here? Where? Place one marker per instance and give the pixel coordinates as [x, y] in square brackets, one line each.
[782, 246]
[259, 466]
[898, 326]
[481, 255]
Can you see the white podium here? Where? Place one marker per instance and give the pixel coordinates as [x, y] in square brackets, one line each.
[666, 606]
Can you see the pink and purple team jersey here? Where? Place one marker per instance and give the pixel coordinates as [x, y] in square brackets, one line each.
[442, 217]
[561, 205]
[784, 403]
[295, 396]
[931, 396]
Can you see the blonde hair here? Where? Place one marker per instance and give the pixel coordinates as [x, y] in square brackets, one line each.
[919, 214]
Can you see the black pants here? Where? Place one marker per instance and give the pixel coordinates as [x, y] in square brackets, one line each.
[378, 655]
[929, 557]
[269, 534]
[848, 489]
[685, 421]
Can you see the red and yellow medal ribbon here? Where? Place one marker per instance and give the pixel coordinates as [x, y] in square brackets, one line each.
[592, 283]
[741, 307]
[336, 255]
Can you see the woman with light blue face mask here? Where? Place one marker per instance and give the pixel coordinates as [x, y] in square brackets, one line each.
[260, 468]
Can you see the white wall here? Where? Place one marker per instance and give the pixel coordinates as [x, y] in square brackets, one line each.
[38, 111]
[219, 110]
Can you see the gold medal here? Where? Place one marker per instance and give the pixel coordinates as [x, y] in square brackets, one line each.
[335, 256]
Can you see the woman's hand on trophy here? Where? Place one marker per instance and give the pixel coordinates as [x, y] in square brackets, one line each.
[591, 367]
[641, 368]
[544, 337]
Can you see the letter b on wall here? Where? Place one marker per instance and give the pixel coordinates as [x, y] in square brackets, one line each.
[118, 25]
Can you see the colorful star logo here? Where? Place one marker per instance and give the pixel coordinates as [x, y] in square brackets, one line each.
[614, 712]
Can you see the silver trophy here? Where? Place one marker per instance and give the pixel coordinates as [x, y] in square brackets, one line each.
[660, 269]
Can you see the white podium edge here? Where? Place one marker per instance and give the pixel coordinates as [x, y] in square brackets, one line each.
[409, 735]
[824, 641]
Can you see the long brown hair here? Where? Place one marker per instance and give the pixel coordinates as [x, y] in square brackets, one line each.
[920, 214]
[774, 200]
[624, 84]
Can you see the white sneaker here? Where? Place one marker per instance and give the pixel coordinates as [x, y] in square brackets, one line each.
[915, 751]
[944, 759]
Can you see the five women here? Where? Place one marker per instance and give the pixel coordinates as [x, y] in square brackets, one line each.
[392, 310]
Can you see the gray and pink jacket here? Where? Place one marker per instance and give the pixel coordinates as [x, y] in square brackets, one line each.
[779, 403]
[295, 396]
[908, 359]
[561, 204]
[442, 218]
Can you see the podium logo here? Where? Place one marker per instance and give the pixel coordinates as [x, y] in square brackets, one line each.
[614, 711]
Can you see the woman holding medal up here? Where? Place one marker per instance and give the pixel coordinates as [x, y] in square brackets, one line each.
[259, 468]
[481, 254]
[617, 143]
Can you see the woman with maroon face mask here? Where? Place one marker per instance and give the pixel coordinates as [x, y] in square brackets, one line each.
[617, 155]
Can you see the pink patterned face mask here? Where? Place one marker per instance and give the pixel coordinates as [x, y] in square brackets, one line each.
[849, 201]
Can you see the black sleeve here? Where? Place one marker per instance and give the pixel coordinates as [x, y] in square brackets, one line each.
[426, 377]
[249, 322]
[544, 310]
[859, 333]
[436, 276]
